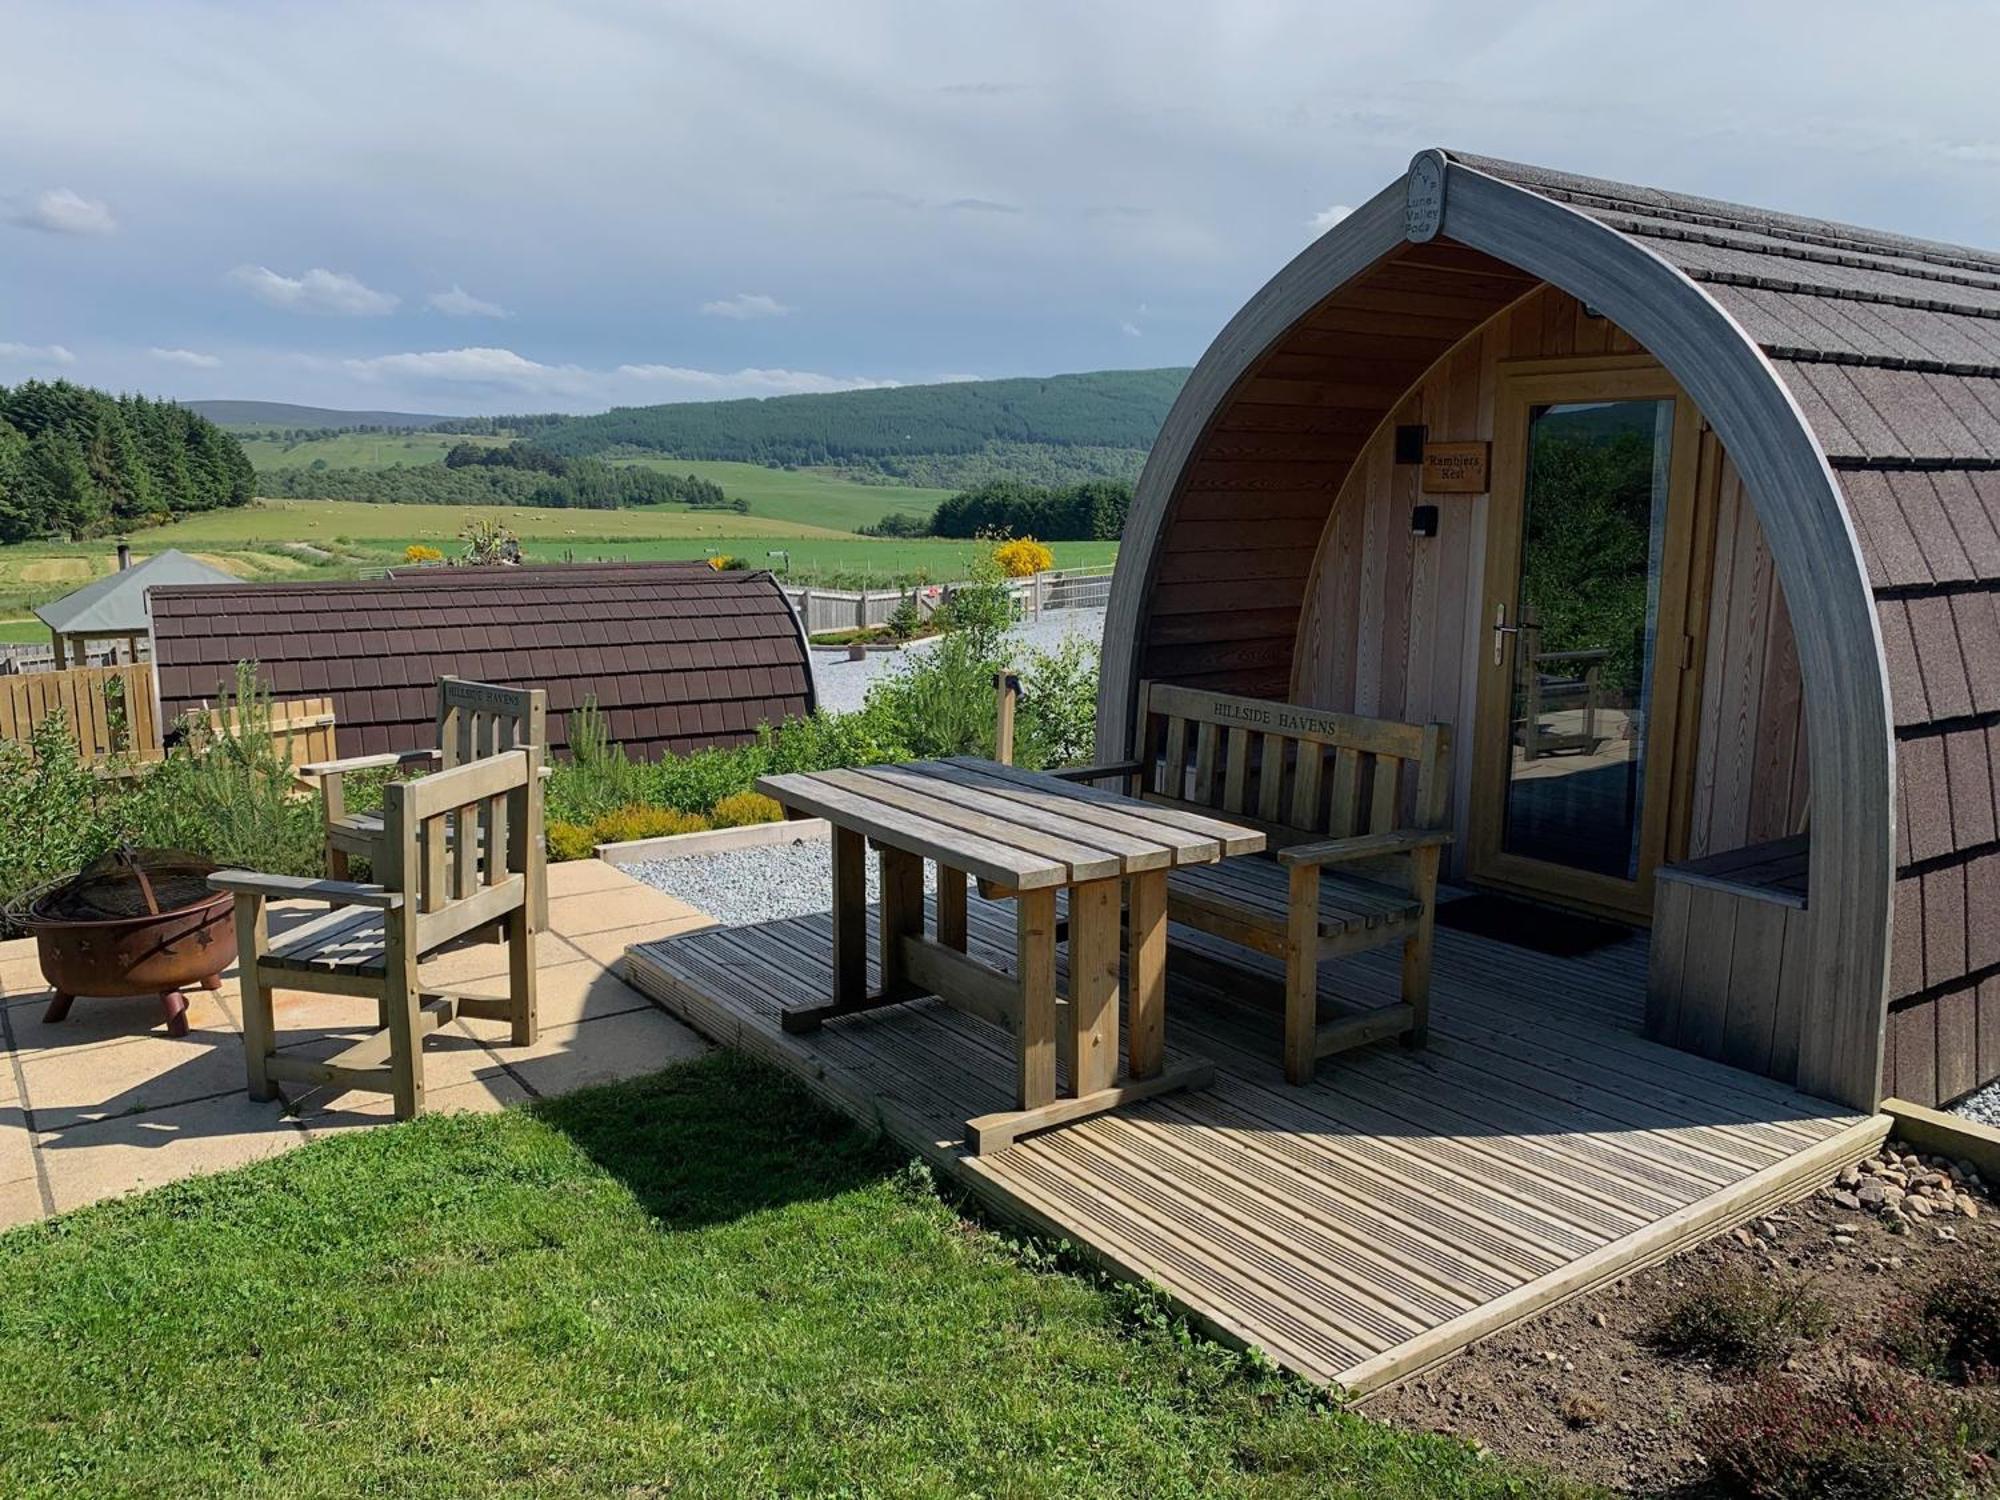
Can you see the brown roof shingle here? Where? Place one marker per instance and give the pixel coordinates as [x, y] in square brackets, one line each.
[679, 657]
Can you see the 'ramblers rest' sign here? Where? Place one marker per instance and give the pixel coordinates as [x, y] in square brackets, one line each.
[1455, 468]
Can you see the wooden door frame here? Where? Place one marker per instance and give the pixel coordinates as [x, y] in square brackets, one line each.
[1678, 650]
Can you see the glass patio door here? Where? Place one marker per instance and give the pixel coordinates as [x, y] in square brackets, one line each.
[1587, 569]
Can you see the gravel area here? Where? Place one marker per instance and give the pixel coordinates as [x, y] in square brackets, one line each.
[843, 683]
[757, 885]
[1982, 1108]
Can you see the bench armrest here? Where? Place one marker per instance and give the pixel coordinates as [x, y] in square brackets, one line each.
[365, 762]
[1365, 846]
[1100, 773]
[298, 888]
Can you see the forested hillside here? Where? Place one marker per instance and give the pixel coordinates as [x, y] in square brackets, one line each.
[77, 462]
[1109, 414]
[509, 475]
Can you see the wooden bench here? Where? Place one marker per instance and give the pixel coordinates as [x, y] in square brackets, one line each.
[458, 853]
[1353, 810]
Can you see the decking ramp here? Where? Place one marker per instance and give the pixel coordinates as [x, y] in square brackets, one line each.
[1358, 1229]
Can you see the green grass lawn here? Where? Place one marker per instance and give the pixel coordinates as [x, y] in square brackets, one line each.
[803, 495]
[358, 450]
[696, 1284]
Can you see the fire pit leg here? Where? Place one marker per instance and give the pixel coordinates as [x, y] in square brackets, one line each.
[211, 982]
[59, 1005]
[175, 1004]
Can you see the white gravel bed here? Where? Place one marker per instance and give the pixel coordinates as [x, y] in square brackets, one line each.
[764, 884]
[1982, 1108]
[843, 684]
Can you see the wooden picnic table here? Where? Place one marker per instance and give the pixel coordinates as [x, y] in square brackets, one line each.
[1024, 835]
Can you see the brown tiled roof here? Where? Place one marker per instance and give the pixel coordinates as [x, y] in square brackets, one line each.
[678, 657]
[1891, 347]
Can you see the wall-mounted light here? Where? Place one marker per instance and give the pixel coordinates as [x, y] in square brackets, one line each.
[1423, 520]
[1410, 443]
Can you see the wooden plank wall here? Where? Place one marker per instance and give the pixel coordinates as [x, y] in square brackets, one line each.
[1750, 783]
[1391, 624]
[302, 728]
[79, 695]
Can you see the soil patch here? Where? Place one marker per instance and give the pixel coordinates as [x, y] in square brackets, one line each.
[1584, 1390]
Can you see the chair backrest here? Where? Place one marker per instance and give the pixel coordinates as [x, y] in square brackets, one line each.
[1300, 774]
[460, 845]
[478, 719]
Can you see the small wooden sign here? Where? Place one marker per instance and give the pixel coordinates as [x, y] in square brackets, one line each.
[1456, 468]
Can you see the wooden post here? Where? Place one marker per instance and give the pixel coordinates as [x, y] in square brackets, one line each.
[1093, 986]
[1035, 969]
[902, 913]
[56, 643]
[1146, 972]
[850, 917]
[1302, 975]
[1006, 693]
[252, 939]
[951, 926]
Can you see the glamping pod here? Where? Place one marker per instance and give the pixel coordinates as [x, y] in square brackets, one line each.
[1685, 518]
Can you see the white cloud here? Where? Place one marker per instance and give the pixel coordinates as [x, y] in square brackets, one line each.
[65, 211]
[1130, 329]
[188, 357]
[459, 303]
[1327, 217]
[37, 354]
[746, 306]
[505, 370]
[319, 290]
[750, 382]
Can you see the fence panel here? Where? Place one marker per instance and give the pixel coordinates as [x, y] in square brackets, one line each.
[301, 728]
[103, 721]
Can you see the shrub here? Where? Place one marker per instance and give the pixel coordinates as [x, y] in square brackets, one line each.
[640, 822]
[1871, 1437]
[1742, 1320]
[746, 807]
[1952, 1330]
[50, 818]
[569, 841]
[695, 782]
[1057, 722]
[598, 777]
[1023, 557]
[940, 702]
[422, 552]
[905, 620]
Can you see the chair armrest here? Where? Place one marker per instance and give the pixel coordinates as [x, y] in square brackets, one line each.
[1365, 846]
[298, 888]
[1100, 773]
[364, 762]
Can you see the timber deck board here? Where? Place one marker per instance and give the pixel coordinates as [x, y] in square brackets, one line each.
[1357, 1229]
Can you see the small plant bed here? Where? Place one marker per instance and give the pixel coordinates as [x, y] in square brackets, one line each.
[874, 635]
[695, 1284]
[1844, 1346]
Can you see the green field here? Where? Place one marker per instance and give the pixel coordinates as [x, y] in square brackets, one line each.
[357, 450]
[804, 495]
[252, 543]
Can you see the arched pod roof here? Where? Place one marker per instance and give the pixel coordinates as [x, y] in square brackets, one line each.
[1854, 377]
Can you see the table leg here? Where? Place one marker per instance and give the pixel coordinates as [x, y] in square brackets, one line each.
[1035, 970]
[1146, 972]
[1093, 985]
[902, 913]
[850, 917]
[951, 907]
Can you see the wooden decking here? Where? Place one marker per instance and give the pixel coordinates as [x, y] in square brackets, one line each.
[1358, 1229]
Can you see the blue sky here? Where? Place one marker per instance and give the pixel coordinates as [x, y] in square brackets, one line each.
[513, 206]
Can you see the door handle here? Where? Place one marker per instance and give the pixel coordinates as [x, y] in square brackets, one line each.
[1501, 630]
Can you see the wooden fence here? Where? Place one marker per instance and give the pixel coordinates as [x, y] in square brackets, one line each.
[103, 720]
[300, 727]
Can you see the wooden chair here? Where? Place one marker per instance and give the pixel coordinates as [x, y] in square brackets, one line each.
[1353, 810]
[474, 720]
[457, 853]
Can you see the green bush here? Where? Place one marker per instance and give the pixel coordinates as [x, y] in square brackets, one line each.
[630, 823]
[51, 811]
[597, 778]
[1742, 1320]
[695, 783]
[568, 841]
[1057, 721]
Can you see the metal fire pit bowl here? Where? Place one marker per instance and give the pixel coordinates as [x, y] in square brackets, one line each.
[136, 922]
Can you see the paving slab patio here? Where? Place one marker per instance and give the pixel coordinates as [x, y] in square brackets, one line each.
[106, 1102]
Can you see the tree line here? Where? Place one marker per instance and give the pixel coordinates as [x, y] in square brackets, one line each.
[576, 484]
[1092, 511]
[77, 462]
[1105, 409]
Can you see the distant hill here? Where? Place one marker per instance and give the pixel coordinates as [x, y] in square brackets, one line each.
[1050, 429]
[284, 414]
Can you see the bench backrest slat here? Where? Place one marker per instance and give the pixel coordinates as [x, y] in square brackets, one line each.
[1300, 773]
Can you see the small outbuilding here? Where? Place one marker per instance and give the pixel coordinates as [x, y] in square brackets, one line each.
[1685, 516]
[115, 607]
[677, 657]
